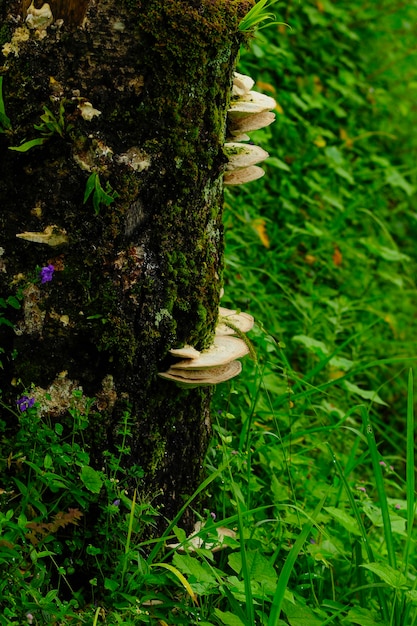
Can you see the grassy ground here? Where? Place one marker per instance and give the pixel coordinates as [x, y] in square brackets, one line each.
[311, 468]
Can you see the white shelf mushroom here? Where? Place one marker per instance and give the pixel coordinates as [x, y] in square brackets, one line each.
[242, 155]
[245, 175]
[206, 377]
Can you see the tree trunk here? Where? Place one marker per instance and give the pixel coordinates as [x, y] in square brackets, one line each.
[130, 100]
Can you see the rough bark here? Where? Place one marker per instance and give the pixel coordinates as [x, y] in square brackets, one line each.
[140, 275]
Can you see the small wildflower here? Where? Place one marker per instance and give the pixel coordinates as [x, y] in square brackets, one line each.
[312, 540]
[46, 273]
[398, 506]
[361, 489]
[382, 463]
[24, 403]
[116, 502]
[29, 618]
[391, 468]
[213, 515]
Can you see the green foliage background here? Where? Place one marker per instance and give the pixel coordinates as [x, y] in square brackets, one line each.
[338, 199]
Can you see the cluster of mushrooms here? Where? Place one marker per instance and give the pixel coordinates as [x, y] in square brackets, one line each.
[219, 362]
[249, 110]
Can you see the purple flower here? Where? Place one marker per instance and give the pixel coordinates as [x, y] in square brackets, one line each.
[116, 502]
[213, 515]
[382, 463]
[29, 618]
[24, 403]
[46, 273]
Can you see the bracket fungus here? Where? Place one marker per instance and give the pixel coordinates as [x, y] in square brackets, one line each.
[245, 175]
[242, 155]
[206, 377]
[231, 321]
[249, 110]
[242, 84]
[219, 362]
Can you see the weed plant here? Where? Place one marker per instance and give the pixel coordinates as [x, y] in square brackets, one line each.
[310, 488]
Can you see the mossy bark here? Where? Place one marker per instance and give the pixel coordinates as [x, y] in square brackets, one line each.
[142, 274]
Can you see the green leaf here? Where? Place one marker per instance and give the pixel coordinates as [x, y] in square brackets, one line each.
[344, 519]
[388, 254]
[274, 162]
[228, 618]
[201, 572]
[24, 147]
[91, 479]
[374, 513]
[299, 615]
[361, 616]
[315, 346]
[110, 584]
[4, 120]
[395, 179]
[90, 185]
[259, 569]
[388, 574]
[13, 302]
[47, 462]
[364, 393]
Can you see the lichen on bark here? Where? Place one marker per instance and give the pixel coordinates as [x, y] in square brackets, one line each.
[144, 274]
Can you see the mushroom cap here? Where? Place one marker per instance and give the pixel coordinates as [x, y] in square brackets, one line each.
[244, 175]
[238, 137]
[186, 352]
[223, 350]
[242, 84]
[208, 376]
[250, 103]
[248, 123]
[242, 321]
[243, 155]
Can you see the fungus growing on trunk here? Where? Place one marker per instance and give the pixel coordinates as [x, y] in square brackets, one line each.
[249, 110]
[218, 363]
[242, 155]
[230, 321]
[244, 175]
[205, 377]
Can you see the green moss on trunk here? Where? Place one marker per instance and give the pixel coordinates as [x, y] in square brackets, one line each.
[144, 274]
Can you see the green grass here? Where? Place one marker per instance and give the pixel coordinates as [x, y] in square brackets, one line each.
[311, 466]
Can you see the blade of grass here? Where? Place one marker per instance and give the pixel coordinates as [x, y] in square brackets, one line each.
[410, 484]
[159, 545]
[410, 476]
[129, 535]
[357, 514]
[184, 582]
[380, 487]
[274, 616]
[250, 614]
